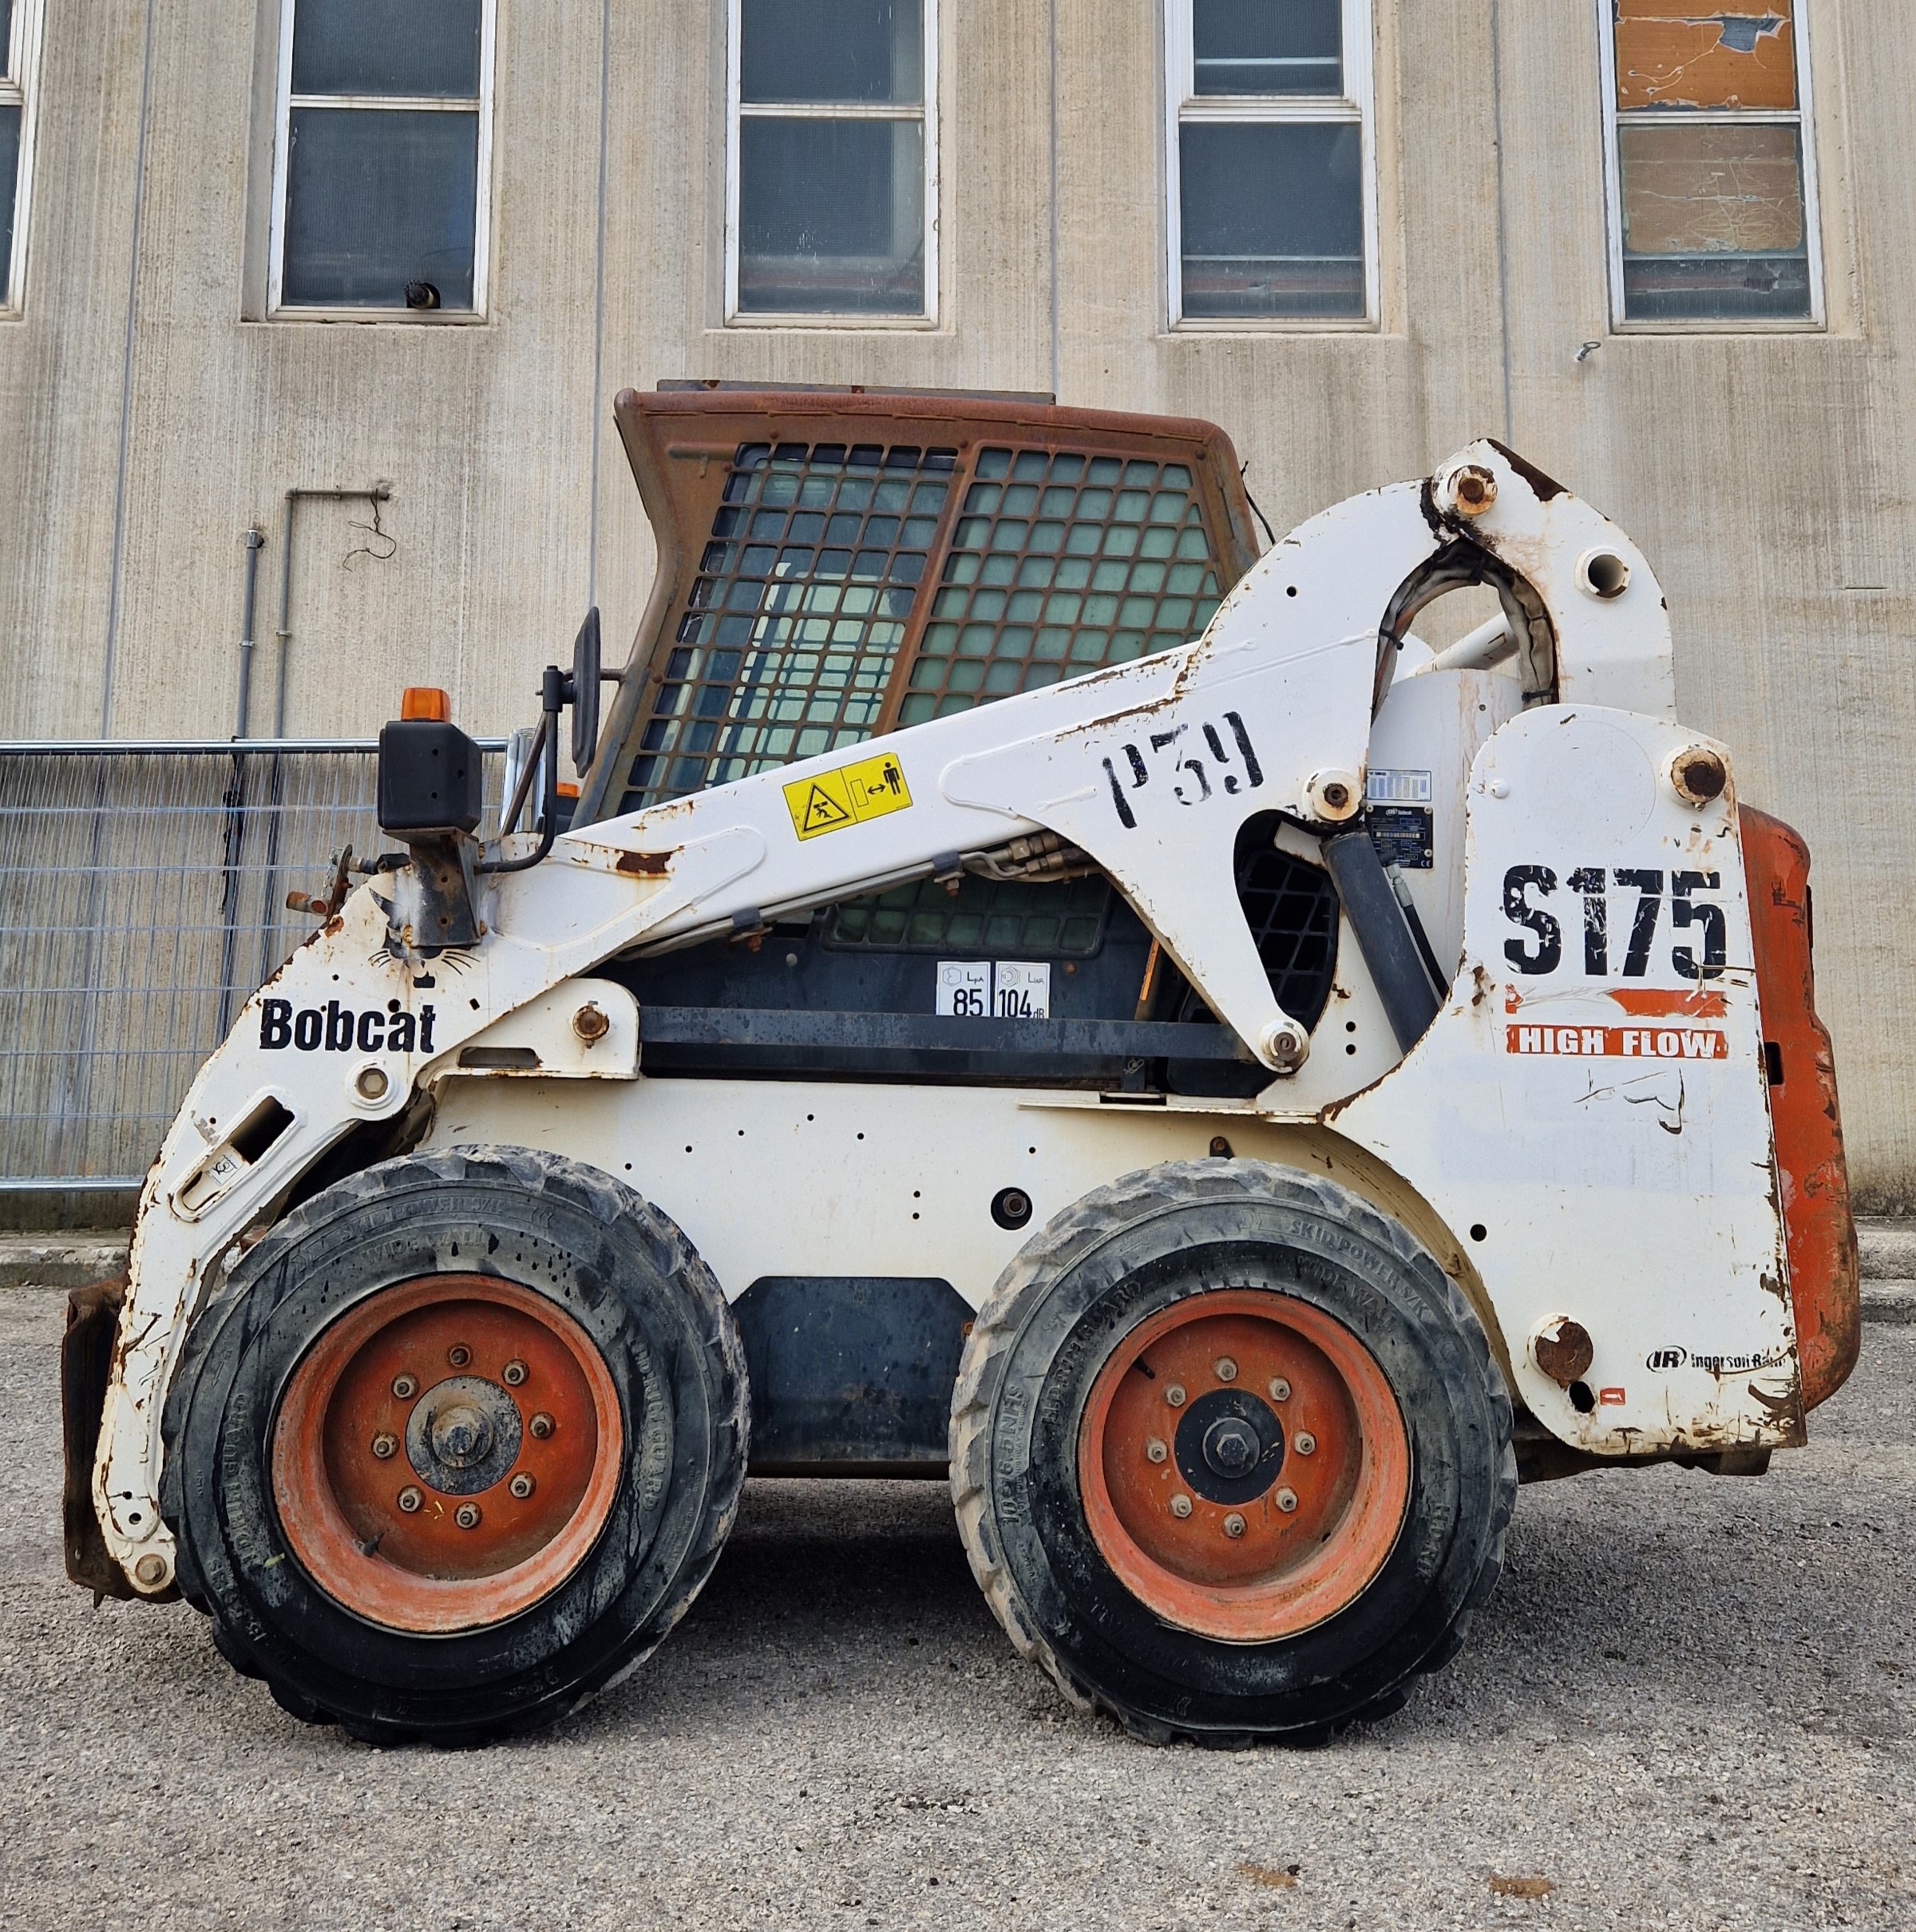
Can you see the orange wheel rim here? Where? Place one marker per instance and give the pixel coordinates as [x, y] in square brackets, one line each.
[446, 1452]
[1244, 1465]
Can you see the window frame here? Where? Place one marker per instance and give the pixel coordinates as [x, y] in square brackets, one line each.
[1802, 116]
[1183, 105]
[19, 78]
[925, 111]
[285, 100]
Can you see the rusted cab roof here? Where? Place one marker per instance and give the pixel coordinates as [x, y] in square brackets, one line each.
[833, 563]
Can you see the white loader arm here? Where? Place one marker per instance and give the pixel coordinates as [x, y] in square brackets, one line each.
[1150, 769]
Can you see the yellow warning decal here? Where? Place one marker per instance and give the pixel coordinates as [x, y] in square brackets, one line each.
[847, 797]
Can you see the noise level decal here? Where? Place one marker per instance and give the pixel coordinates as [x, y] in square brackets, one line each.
[848, 796]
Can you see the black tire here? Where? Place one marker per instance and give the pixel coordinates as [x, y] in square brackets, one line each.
[1059, 1311]
[650, 1306]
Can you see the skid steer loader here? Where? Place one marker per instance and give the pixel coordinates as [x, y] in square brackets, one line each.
[1236, 1106]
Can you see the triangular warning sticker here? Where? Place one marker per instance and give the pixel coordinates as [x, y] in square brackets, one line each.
[822, 812]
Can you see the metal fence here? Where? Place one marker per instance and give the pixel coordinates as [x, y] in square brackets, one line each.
[142, 899]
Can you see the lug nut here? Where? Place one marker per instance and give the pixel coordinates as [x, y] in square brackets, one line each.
[1227, 1369]
[1281, 1389]
[1154, 1451]
[1181, 1505]
[458, 1354]
[1233, 1524]
[1174, 1395]
[540, 1425]
[467, 1516]
[514, 1373]
[385, 1445]
[410, 1500]
[405, 1386]
[1303, 1442]
[1286, 1499]
[520, 1485]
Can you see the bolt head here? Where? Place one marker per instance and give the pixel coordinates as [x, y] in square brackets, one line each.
[467, 1516]
[1154, 1451]
[1225, 1368]
[1234, 1525]
[1303, 1442]
[370, 1083]
[410, 1500]
[1286, 1499]
[591, 1023]
[513, 1374]
[521, 1486]
[1180, 1505]
[405, 1386]
[385, 1445]
[151, 1570]
[1280, 1389]
[458, 1354]
[1173, 1394]
[540, 1425]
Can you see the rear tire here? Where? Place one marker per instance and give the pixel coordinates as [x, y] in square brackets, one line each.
[1230, 1457]
[403, 1534]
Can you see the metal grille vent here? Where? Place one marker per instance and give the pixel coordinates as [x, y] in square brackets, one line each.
[793, 624]
[1060, 563]
[1007, 918]
[1291, 907]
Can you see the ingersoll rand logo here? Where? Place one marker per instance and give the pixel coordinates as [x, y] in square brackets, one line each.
[334, 1028]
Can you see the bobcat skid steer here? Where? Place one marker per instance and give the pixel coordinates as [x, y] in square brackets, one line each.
[1236, 1106]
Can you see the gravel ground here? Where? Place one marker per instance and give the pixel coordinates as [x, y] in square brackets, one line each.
[1689, 1704]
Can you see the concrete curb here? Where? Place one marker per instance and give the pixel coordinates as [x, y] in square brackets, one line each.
[60, 1260]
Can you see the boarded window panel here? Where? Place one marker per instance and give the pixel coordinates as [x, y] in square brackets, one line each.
[1713, 220]
[826, 52]
[793, 622]
[1267, 47]
[1677, 54]
[831, 217]
[1061, 564]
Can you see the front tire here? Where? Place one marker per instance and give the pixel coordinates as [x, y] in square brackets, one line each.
[457, 1446]
[1230, 1457]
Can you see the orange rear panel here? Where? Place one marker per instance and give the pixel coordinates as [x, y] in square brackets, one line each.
[1808, 1127]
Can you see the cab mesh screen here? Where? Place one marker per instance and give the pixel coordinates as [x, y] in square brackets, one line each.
[1061, 564]
[1011, 917]
[788, 639]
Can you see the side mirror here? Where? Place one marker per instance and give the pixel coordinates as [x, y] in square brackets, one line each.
[585, 692]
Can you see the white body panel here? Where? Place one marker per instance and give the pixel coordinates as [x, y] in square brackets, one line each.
[1150, 768]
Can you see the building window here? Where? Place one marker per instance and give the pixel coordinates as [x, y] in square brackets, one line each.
[381, 160]
[19, 21]
[1712, 174]
[1269, 202]
[831, 163]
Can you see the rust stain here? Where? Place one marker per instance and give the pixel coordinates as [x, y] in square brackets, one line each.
[1272, 1878]
[648, 864]
[1531, 1885]
[1564, 1353]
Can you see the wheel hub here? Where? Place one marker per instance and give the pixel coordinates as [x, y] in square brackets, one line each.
[464, 1435]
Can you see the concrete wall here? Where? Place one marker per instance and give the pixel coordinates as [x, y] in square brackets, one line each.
[145, 424]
